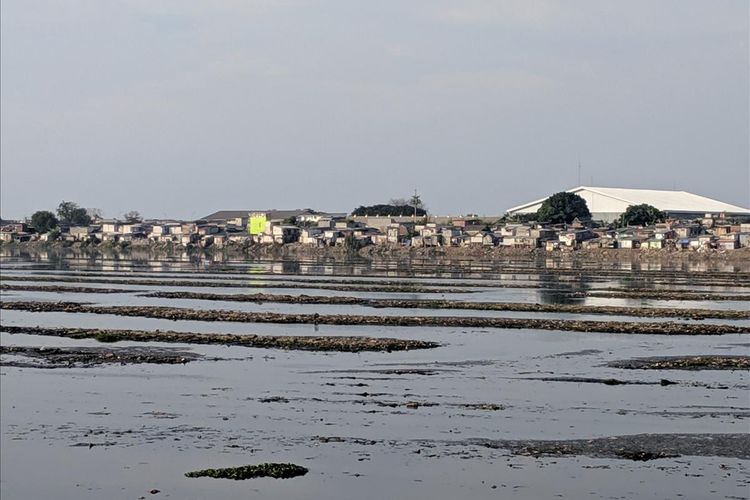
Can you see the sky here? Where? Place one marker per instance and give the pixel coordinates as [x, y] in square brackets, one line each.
[178, 108]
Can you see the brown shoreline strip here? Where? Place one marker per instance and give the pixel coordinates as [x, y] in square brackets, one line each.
[176, 313]
[298, 342]
[260, 298]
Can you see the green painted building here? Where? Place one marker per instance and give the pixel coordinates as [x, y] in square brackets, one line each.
[257, 223]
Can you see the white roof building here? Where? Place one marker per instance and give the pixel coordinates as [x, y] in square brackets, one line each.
[608, 203]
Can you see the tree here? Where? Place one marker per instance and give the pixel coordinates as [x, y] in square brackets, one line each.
[416, 201]
[94, 213]
[388, 211]
[70, 213]
[43, 221]
[563, 207]
[133, 217]
[642, 215]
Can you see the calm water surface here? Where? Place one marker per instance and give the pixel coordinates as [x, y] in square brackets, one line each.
[122, 431]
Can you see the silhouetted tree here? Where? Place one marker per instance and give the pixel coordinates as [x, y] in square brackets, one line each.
[133, 217]
[43, 221]
[563, 207]
[642, 215]
[70, 213]
[388, 211]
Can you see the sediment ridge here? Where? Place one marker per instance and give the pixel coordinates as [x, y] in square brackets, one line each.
[301, 343]
[176, 313]
[457, 304]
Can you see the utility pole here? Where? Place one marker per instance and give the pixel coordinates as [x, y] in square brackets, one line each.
[579, 172]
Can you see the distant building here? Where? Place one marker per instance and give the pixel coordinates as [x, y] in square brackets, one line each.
[607, 204]
[257, 218]
[235, 217]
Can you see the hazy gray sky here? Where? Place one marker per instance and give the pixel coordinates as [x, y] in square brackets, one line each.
[183, 107]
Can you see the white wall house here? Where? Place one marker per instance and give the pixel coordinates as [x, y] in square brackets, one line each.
[608, 203]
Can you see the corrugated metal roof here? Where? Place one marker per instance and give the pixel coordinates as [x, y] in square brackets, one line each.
[668, 201]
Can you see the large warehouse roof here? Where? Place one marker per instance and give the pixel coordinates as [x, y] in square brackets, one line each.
[616, 200]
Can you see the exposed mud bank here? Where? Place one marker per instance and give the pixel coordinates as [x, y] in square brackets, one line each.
[707, 362]
[486, 278]
[302, 343]
[330, 280]
[176, 313]
[213, 284]
[87, 357]
[277, 471]
[456, 304]
[63, 289]
[609, 292]
[660, 295]
[639, 447]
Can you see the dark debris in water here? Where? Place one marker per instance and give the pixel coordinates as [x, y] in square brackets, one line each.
[274, 470]
[593, 380]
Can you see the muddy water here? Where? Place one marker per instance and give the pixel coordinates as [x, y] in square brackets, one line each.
[368, 425]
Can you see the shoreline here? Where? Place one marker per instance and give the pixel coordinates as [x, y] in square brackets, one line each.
[382, 252]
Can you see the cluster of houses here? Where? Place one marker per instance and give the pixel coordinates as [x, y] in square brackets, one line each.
[309, 227]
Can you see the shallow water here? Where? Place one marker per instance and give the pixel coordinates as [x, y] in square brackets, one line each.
[65, 431]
